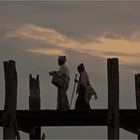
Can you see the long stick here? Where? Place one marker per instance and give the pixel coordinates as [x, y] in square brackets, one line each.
[73, 90]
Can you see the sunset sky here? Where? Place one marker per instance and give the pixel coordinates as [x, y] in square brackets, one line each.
[35, 33]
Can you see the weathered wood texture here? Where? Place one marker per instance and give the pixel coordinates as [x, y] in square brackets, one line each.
[34, 104]
[113, 98]
[9, 116]
[137, 91]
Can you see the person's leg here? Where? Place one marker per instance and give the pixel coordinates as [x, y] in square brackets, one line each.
[58, 99]
[64, 100]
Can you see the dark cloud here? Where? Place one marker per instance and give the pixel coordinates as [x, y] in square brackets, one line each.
[79, 19]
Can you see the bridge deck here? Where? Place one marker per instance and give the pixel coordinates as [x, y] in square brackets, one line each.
[129, 118]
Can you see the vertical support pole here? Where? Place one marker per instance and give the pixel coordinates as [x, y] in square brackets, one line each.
[137, 91]
[34, 103]
[113, 98]
[9, 116]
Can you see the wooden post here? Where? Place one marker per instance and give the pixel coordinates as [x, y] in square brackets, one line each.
[34, 104]
[113, 98]
[9, 117]
[137, 91]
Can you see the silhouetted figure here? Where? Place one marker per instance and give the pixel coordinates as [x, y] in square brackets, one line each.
[82, 102]
[62, 99]
[43, 136]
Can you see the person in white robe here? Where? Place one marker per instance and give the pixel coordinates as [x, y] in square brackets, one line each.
[62, 99]
[82, 101]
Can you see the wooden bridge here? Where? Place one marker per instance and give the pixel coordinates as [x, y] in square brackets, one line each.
[129, 118]
[114, 118]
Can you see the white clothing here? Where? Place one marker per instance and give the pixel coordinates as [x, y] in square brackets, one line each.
[65, 71]
[84, 79]
[62, 99]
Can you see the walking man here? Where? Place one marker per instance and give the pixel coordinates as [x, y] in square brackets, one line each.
[62, 99]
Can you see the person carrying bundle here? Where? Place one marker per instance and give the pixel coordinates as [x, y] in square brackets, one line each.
[84, 89]
[61, 80]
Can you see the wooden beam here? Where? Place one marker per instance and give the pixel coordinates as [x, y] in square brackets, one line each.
[113, 98]
[137, 91]
[129, 118]
[8, 119]
[34, 104]
[63, 118]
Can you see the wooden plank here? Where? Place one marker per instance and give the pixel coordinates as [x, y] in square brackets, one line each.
[129, 118]
[113, 98]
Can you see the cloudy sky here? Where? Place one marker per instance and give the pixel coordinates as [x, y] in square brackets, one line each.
[35, 33]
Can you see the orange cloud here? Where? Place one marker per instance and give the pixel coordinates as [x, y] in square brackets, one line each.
[126, 50]
[47, 51]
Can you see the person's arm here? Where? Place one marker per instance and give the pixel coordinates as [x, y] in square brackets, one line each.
[95, 96]
[76, 81]
[52, 72]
